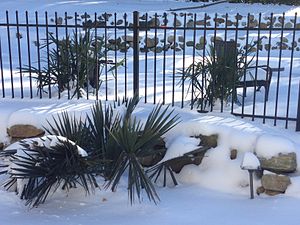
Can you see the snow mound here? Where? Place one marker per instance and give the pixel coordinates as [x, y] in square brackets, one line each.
[268, 146]
[250, 162]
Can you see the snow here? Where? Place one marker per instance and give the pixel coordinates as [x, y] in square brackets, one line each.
[250, 162]
[270, 145]
[215, 192]
[180, 146]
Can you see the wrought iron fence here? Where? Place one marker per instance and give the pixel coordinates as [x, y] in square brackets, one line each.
[246, 65]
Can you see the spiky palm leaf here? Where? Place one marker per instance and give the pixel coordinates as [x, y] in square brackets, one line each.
[45, 169]
[70, 127]
[135, 140]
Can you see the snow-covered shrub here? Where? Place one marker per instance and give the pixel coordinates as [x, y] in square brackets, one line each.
[42, 165]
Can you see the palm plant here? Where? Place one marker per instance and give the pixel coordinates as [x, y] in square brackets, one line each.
[119, 143]
[75, 62]
[44, 169]
[216, 75]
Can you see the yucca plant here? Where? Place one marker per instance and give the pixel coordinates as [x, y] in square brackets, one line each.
[72, 63]
[134, 141]
[43, 169]
[216, 75]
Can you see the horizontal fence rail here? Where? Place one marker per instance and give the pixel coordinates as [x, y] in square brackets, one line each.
[248, 65]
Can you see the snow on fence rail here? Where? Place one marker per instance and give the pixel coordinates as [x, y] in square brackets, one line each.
[106, 56]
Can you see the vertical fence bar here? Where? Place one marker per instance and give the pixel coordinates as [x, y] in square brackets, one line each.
[256, 66]
[194, 55]
[19, 53]
[224, 55]
[136, 53]
[146, 57]
[57, 50]
[87, 35]
[116, 58]
[125, 53]
[164, 57]
[96, 71]
[174, 57]
[245, 69]
[76, 52]
[38, 54]
[268, 64]
[28, 53]
[68, 45]
[10, 56]
[234, 98]
[48, 52]
[1, 70]
[155, 56]
[290, 75]
[279, 65]
[183, 61]
[105, 56]
[203, 80]
[211, 98]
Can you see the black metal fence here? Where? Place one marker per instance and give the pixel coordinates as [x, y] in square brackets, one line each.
[169, 58]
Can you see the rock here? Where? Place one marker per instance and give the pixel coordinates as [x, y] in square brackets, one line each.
[190, 24]
[263, 25]
[283, 163]
[1, 146]
[178, 163]
[272, 193]
[180, 38]
[119, 22]
[59, 21]
[260, 190]
[151, 160]
[233, 154]
[151, 42]
[285, 40]
[200, 22]
[153, 22]
[229, 23]
[219, 20]
[238, 17]
[274, 182]
[288, 25]
[190, 43]
[177, 23]
[24, 131]
[171, 39]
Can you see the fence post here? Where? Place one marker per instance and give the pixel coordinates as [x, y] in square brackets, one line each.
[136, 75]
[298, 111]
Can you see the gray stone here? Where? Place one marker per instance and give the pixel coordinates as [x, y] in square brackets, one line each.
[260, 190]
[277, 183]
[233, 154]
[151, 42]
[180, 38]
[24, 131]
[189, 43]
[283, 163]
[171, 39]
[177, 23]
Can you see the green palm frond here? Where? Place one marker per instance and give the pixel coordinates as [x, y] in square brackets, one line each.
[45, 169]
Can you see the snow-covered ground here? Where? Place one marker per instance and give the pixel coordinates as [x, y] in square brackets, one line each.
[214, 193]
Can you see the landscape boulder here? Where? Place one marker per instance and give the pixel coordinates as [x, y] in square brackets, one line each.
[275, 184]
[283, 163]
[24, 131]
